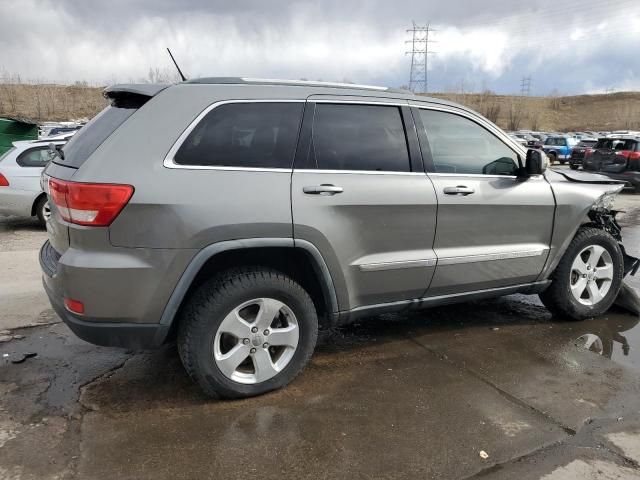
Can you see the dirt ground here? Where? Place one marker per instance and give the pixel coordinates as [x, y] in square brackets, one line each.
[492, 389]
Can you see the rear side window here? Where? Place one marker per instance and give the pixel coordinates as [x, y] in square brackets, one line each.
[35, 157]
[91, 136]
[255, 135]
[459, 145]
[359, 137]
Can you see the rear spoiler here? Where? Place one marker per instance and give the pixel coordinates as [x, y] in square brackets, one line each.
[132, 95]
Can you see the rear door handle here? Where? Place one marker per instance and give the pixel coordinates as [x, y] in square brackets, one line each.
[324, 189]
[459, 190]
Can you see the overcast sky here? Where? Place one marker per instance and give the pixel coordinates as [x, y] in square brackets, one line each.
[567, 45]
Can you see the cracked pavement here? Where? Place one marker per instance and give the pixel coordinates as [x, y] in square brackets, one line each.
[418, 395]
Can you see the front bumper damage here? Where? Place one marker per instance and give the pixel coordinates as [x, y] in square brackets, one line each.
[606, 220]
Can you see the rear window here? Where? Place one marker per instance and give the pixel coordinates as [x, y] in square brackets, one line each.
[91, 136]
[617, 144]
[244, 135]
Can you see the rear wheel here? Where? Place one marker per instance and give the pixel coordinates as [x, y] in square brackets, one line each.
[247, 332]
[43, 211]
[552, 157]
[588, 278]
[573, 167]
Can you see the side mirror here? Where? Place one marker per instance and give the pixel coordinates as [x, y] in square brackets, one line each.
[536, 162]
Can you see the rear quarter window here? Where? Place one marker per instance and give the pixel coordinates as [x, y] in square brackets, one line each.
[244, 135]
[35, 157]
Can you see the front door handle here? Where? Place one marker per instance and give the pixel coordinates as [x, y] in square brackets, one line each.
[324, 189]
[459, 190]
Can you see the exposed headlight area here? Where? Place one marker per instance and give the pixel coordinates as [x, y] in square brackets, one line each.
[605, 202]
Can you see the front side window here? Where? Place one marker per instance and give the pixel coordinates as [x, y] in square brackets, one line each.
[359, 137]
[459, 145]
[35, 157]
[254, 135]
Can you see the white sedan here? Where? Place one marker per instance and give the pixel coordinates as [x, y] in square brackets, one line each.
[20, 169]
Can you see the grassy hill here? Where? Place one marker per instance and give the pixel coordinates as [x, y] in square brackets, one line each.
[582, 112]
[614, 111]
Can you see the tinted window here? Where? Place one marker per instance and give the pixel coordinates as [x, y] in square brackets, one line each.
[459, 145]
[35, 157]
[617, 144]
[91, 136]
[260, 135]
[359, 137]
[557, 141]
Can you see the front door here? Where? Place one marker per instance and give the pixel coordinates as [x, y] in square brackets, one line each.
[360, 195]
[494, 229]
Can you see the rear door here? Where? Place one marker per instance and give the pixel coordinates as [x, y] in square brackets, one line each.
[494, 229]
[361, 196]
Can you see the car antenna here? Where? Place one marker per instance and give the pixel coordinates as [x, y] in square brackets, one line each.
[184, 79]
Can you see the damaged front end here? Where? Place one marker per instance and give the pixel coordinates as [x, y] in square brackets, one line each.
[605, 219]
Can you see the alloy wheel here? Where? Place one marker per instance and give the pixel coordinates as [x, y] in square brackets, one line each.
[256, 340]
[46, 211]
[591, 275]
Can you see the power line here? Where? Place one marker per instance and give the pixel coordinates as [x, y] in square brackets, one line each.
[525, 86]
[420, 41]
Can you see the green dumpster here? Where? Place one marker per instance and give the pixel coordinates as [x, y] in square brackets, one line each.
[16, 128]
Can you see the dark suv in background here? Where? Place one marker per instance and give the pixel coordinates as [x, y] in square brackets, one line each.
[578, 152]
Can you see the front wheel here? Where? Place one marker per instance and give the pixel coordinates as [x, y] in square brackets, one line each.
[552, 158]
[246, 332]
[573, 167]
[588, 278]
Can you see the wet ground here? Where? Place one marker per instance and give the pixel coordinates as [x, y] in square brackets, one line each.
[491, 389]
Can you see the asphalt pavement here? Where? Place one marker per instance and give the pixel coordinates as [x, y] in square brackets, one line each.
[490, 389]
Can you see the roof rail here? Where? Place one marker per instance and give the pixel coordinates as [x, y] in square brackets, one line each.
[301, 83]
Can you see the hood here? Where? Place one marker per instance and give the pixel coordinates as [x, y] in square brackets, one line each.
[576, 176]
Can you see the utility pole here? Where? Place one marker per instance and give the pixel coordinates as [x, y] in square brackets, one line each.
[420, 41]
[525, 86]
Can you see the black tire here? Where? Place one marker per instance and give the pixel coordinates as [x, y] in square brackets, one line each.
[562, 162]
[552, 158]
[214, 300]
[41, 205]
[558, 297]
[573, 167]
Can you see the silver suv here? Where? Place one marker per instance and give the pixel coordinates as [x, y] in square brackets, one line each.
[238, 216]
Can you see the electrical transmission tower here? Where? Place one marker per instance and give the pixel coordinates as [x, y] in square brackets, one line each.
[420, 41]
[525, 86]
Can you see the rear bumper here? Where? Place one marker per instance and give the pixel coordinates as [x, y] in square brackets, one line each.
[124, 293]
[109, 334]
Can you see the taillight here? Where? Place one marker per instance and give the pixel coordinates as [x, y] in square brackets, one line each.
[3, 181]
[94, 204]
